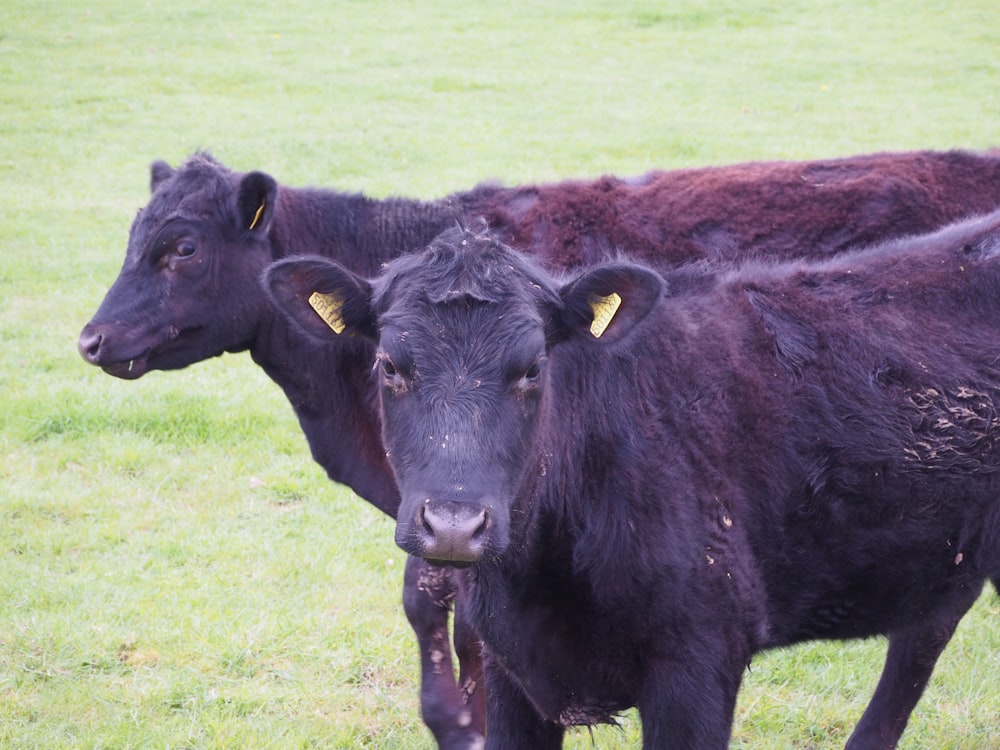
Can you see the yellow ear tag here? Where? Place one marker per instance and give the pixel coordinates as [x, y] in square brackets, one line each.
[256, 216]
[604, 310]
[328, 307]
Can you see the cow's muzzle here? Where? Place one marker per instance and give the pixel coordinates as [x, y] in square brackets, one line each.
[450, 532]
[93, 347]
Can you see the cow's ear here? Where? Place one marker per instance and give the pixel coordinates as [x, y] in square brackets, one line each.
[255, 201]
[321, 297]
[159, 171]
[606, 303]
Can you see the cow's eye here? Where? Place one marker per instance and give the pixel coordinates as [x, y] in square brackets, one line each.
[529, 376]
[185, 249]
[390, 373]
[394, 375]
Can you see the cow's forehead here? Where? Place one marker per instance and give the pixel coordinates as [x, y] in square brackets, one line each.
[199, 190]
[459, 322]
[463, 267]
[449, 343]
[467, 297]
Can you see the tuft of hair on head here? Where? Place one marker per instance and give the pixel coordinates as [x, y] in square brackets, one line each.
[203, 157]
[477, 229]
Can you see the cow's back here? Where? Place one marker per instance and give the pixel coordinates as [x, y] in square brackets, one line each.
[756, 210]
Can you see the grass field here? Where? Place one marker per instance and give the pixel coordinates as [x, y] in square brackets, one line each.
[176, 572]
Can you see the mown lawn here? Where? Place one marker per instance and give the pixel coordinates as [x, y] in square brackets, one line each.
[176, 572]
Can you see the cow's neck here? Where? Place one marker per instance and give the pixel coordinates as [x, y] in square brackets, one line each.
[569, 525]
[329, 385]
[328, 388]
[359, 232]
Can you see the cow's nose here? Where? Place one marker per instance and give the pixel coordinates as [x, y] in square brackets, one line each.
[453, 532]
[89, 346]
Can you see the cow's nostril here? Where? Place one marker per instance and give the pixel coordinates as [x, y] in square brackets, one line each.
[90, 347]
[422, 517]
[479, 530]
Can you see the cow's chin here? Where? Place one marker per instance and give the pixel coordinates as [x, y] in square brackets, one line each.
[128, 370]
[438, 560]
[413, 545]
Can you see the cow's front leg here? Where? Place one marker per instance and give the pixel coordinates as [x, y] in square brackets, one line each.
[512, 721]
[428, 593]
[908, 666]
[687, 702]
[469, 650]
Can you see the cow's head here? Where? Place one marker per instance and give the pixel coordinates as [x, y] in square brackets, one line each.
[467, 332]
[188, 287]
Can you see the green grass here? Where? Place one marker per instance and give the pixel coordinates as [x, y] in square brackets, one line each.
[176, 572]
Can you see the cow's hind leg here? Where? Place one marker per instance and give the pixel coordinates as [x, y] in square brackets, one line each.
[913, 652]
[428, 593]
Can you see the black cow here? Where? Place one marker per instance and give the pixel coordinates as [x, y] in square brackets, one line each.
[654, 480]
[188, 291]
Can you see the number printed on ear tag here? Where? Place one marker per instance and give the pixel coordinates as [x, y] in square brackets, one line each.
[604, 311]
[328, 307]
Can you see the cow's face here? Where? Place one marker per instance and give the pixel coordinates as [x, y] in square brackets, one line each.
[466, 335]
[188, 288]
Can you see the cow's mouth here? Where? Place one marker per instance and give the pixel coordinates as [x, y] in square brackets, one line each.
[128, 369]
[460, 564]
[178, 350]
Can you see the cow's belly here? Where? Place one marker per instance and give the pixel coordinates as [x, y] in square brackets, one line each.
[875, 600]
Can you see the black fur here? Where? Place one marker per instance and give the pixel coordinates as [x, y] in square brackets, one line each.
[781, 453]
[169, 309]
